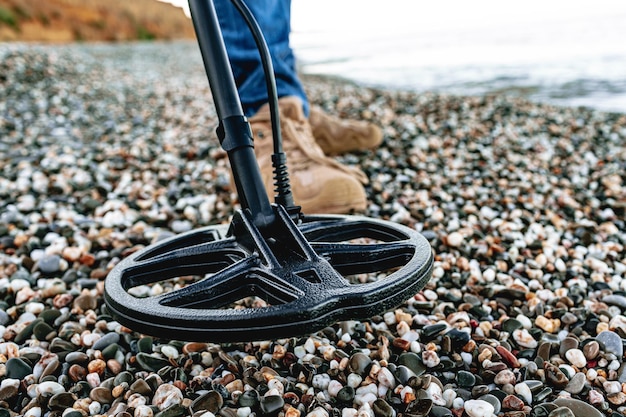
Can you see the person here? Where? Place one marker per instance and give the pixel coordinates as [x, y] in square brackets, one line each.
[319, 183]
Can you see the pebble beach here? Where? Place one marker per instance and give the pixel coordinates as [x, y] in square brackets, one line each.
[105, 149]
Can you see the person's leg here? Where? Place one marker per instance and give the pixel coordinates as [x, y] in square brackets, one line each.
[274, 18]
[319, 184]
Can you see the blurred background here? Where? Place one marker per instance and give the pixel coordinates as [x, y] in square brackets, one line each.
[566, 52]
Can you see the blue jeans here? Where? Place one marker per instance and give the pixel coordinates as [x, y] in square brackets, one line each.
[274, 18]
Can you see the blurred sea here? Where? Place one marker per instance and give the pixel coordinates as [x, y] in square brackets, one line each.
[564, 52]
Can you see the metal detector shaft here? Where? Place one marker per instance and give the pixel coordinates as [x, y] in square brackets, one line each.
[234, 131]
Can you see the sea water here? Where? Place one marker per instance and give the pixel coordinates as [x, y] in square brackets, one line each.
[567, 52]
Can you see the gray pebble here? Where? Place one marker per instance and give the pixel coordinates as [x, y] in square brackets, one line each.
[576, 383]
[612, 342]
[578, 407]
[106, 340]
[50, 264]
[16, 368]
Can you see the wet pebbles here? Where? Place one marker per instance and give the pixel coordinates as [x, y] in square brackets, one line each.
[105, 149]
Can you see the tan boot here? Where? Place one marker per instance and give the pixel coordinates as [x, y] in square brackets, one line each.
[319, 184]
[337, 136]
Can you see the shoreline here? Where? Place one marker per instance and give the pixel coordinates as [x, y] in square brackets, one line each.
[190, 46]
[105, 150]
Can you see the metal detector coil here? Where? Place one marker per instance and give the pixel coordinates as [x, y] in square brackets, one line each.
[300, 272]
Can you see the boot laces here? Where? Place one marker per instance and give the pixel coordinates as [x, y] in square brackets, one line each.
[302, 150]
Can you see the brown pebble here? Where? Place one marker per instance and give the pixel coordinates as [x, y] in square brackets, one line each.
[194, 347]
[512, 402]
[401, 343]
[508, 357]
[77, 373]
[102, 395]
[87, 259]
[141, 387]
[114, 366]
[591, 350]
[118, 391]
[98, 273]
[96, 366]
[554, 376]
[85, 302]
[180, 385]
[62, 300]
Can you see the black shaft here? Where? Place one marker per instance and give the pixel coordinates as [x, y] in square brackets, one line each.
[234, 130]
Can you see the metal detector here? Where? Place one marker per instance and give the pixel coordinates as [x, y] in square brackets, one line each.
[308, 271]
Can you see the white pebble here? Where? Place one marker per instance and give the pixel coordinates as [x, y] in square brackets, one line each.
[354, 380]
[478, 408]
[458, 403]
[449, 395]
[612, 387]
[389, 318]
[524, 338]
[244, 411]
[321, 381]
[576, 357]
[34, 308]
[403, 328]
[334, 387]
[592, 374]
[309, 345]
[406, 391]
[167, 395]
[489, 275]
[19, 283]
[349, 412]
[140, 411]
[430, 358]
[434, 393]
[365, 410]
[523, 390]
[367, 398]
[386, 378]
[430, 294]
[136, 400]
[93, 379]
[455, 239]
[410, 336]
[277, 385]
[33, 412]
[299, 351]
[367, 389]
[525, 321]
[169, 351]
[318, 412]
[614, 365]
[49, 388]
[438, 272]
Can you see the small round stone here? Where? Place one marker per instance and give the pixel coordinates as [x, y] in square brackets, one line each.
[612, 342]
[576, 357]
[16, 368]
[478, 408]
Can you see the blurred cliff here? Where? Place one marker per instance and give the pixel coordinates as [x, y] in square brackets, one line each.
[91, 20]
